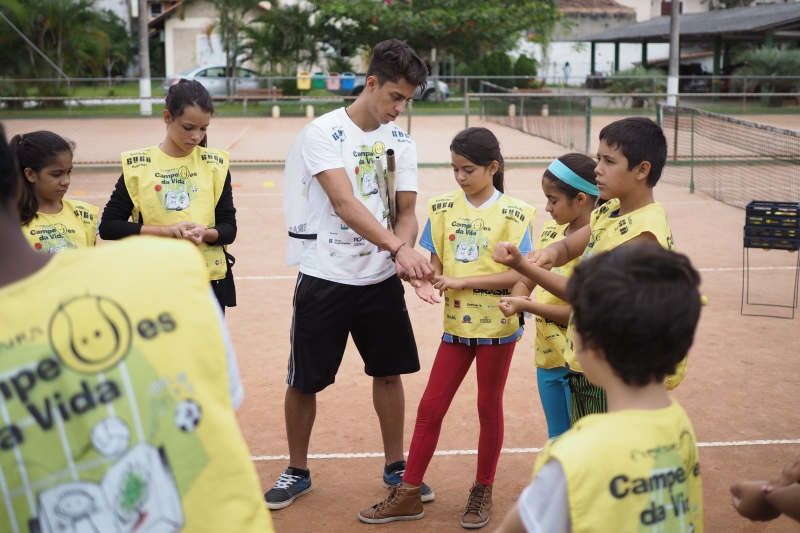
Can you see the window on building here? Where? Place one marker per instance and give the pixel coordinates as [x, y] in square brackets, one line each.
[666, 8]
[156, 8]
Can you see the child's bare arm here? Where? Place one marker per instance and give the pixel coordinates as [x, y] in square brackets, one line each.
[501, 280]
[556, 313]
[789, 476]
[507, 254]
[524, 287]
[786, 500]
[562, 252]
[424, 288]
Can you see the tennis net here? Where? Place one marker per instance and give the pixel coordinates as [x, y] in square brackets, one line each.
[561, 119]
[733, 160]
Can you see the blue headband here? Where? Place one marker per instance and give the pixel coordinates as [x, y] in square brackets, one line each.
[565, 174]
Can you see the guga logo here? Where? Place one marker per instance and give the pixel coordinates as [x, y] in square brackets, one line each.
[90, 333]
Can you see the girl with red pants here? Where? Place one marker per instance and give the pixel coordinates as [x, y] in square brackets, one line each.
[462, 230]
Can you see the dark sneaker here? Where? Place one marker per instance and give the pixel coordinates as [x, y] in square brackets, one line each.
[395, 477]
[288, 487]
[402, 504]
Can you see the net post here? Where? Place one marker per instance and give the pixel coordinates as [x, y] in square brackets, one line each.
[659, 119]
[466, 110]
[69, 93]
[588, 124]
[675, 141]
[410, 112]
[691, 178]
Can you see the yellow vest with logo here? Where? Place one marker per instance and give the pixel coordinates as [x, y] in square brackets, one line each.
[116, 407]
[74, 227]
[632, 471]
[166, 190]
[550, 335]
[609, 232]
[464, 239]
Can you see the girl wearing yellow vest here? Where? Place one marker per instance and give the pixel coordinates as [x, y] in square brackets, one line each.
[635, 468]
[50, 222]
[180, 188]
[463, 228]
[568, 185]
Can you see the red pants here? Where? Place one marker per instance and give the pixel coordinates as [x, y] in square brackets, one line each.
[451, 365]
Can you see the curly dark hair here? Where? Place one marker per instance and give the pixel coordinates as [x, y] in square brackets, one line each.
[639, 304]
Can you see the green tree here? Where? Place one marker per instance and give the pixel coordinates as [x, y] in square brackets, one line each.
[525, 66]
[467, 28]
[76, 37]
[230, 23]
[767, 62]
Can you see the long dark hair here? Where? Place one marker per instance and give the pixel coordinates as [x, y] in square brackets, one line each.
[188, 93]
[480, 146]
[35, 151]
[580, 164]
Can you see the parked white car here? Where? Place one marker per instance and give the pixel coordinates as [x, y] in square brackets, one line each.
[213, 78]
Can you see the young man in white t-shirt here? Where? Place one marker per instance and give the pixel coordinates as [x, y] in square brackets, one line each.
[351, 264]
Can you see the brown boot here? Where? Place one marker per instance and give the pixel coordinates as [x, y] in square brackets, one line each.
[402, 504]
[479, 507]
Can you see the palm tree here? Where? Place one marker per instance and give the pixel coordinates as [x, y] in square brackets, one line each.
[764, 63]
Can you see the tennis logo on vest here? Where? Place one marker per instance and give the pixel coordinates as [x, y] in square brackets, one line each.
[137, 160]
[212, 158]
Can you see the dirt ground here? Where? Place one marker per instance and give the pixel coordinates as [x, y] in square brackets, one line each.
[742, 385]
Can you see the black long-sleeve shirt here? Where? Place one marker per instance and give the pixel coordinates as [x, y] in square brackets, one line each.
[115, 225]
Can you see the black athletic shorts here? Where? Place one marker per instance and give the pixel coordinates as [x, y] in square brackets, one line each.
[325, 312]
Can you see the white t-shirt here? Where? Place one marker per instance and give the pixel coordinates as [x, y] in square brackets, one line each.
[544, 504]
[334, 141]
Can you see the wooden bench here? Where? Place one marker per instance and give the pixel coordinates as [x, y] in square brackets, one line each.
[274, 92]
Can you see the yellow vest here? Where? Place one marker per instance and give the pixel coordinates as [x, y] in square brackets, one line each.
[551, 336]
[632, 471]
[114, 392]
[608, 233]
[464, 239]
[167, 190]
[74, 227]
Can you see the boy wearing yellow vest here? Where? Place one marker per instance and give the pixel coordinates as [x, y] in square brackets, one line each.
[116, 397]
[636, 467]
[631, 157]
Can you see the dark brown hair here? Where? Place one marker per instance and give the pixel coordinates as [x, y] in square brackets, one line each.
[188, 93]
[480, 146]
[35, 151]
[580, 164]
[639, 139]
[393, 60]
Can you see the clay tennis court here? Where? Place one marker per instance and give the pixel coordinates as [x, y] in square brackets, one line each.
[741, 390]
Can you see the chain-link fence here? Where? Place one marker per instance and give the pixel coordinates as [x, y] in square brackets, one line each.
[258, 124]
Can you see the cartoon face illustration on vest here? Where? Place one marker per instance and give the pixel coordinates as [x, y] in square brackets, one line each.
[90, 333]
[369, 183]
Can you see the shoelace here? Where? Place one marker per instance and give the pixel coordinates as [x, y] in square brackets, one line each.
[476, 499]
[385, 503]
[286, 480]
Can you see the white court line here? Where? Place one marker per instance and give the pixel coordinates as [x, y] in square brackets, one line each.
[235, 139]
[509, 450]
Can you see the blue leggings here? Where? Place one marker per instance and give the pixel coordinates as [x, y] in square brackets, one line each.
[555, 395]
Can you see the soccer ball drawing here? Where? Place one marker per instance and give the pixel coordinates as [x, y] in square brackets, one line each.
[188, 415]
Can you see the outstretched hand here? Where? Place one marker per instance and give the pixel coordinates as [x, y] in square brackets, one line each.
[541, 258]
[411, 265]
[442, 283]
[425, 291]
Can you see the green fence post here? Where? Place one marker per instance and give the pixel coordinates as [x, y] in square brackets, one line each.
[466, 110]
[691, 179]
[588, 125]
[658, 115]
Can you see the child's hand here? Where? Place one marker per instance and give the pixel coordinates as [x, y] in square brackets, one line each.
[442, 283]
[789, 476]
[196, 235]
[512, 305]
[541, 258]
[425, 291]
[750, 502]
[507, 254]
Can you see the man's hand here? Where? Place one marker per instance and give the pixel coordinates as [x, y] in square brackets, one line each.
[512, 305]
[542, 258]
[442, 283]
[413, 264]
[426, 292]
[507, 254]
[789, 476]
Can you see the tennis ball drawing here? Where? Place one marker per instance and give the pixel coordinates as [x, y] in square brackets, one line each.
[111, 436]
[90, 333]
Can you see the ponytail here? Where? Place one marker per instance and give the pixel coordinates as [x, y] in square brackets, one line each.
[35, 151]
[480, 146]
